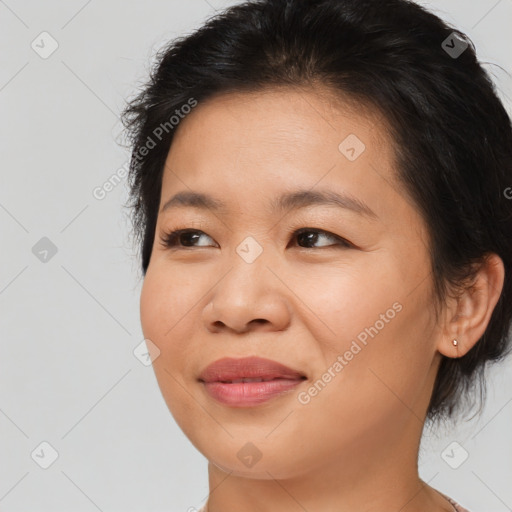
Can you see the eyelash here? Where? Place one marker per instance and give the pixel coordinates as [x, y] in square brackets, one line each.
[169, 239]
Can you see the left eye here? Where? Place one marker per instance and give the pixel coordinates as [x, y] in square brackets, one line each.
[308, 235]
[188, 237]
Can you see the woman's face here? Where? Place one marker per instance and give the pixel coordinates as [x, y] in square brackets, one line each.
[346, 304]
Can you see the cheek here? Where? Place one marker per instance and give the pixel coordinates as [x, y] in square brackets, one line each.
[349, 301]
[387, 364]
[154, 301]
[166, 299]
[370, 395]
[380, 330]
[148, 301]
[166, 313]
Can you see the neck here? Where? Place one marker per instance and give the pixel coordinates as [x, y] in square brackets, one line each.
[369, 476]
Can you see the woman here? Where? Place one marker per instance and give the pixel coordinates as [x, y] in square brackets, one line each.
[319, 193]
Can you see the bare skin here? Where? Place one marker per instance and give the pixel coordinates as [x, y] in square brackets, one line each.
[302, 302]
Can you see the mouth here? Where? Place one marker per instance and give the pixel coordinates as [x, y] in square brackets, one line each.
[248, 369]
[248, 382]
[237, 381]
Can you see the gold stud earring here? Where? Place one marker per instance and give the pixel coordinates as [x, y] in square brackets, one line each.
[455, 343]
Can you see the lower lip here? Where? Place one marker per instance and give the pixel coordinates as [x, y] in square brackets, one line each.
[249, 394]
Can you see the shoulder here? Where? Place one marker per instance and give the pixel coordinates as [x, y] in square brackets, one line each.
[458, 508]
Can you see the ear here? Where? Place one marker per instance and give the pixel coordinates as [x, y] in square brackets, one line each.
[467, 316]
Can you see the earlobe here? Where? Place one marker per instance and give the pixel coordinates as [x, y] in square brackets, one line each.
[455, 344]
[467, 321]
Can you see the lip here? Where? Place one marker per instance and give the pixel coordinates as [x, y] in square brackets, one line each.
[229, 369]
[218, 378]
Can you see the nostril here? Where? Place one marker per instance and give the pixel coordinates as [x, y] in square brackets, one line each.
[259, 320]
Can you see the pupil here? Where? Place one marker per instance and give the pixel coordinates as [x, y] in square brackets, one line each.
[184, 239]
[309, 237]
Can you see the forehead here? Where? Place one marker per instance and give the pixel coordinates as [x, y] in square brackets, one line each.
[247, 146]
[282, 119]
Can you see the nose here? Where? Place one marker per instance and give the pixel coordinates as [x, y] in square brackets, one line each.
[248, 297]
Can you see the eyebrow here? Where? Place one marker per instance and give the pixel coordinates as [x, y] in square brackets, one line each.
[287, 201]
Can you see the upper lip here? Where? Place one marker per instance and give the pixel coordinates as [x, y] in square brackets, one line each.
[229, 369]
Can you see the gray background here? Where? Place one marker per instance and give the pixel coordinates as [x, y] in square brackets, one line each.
[69, 325]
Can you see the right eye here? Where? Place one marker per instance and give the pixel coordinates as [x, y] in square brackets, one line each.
[182, 238]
